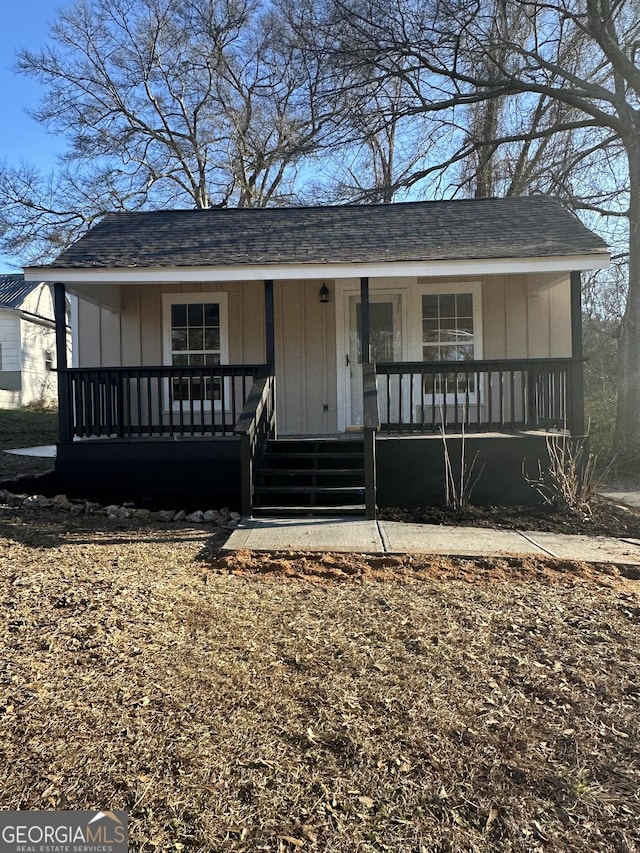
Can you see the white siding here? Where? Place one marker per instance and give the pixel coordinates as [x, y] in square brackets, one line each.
[10, 339]
[38, 384]
[25, 339]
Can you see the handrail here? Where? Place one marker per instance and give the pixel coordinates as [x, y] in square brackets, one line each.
[383, 367]
[254, 406]
[168, 369]
[256, 424]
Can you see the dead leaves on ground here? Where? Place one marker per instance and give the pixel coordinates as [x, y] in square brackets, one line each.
[388, 705]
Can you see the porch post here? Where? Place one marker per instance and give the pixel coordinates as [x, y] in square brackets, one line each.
[60, 316]
[364, 321]
[269, 324]
[370, 421]
[576, 400]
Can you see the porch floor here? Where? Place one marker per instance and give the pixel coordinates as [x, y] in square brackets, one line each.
[338, 436]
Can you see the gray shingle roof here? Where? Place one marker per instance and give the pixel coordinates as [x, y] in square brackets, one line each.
[14, 290]
[532, 226]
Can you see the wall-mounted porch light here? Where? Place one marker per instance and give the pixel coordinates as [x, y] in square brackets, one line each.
[324, 292]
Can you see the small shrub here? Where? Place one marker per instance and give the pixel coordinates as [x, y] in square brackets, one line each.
[457, 490]
[570, 482]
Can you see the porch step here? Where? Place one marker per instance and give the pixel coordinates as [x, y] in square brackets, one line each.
[311, 476]
[308, 511]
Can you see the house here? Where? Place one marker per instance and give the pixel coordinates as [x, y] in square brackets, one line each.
[314, 357]
[27, 343]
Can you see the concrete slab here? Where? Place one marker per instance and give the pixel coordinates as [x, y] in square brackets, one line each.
[393, 537]
[400, 538]
[44, 451]
[587, 549]
[623, 496]
[307, 534]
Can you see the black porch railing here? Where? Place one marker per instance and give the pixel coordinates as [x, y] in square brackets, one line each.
[505, 395]
[256, 425]
[130, 402]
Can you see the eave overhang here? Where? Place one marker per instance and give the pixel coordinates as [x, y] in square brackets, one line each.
[289, 272]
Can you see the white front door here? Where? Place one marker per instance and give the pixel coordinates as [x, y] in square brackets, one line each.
[385, 337]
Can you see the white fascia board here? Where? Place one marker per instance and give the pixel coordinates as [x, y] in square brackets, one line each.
[284, 272]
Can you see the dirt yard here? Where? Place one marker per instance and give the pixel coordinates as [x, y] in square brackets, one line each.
[316, 702]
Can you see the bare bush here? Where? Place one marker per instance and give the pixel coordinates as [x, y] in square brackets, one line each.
[458, 490]
[570, 482]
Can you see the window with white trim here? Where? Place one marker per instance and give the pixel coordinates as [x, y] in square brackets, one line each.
[451, 332]
[195, 336]
[447, 327]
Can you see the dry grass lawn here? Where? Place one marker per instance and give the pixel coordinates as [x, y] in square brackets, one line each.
[321, 703]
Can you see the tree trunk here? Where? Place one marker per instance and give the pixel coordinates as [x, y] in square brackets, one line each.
[627, 432]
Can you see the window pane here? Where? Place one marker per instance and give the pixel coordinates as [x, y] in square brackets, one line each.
[465, 304]
[429, 306]
[196, 360]
[180, 389]
[447, 305]
[447, 335]
[196, 389]
[448, 353]
[178, 315]
[180, 360]
[465, 325]
[195, 313]
[212, 339]
[430, 329]
[179, 339]
[212, 314]
[212, 358]
[464, 353]
[196, 339]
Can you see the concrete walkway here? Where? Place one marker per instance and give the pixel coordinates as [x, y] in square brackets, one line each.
[43, 451]
[392, 537]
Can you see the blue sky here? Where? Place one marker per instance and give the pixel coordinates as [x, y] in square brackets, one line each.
[23, 23]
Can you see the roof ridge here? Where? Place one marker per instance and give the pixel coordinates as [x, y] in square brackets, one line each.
[333, 207]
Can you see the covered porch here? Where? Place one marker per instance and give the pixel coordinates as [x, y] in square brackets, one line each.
[230, 410]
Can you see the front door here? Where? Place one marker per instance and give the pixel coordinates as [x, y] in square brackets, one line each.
[385, 336]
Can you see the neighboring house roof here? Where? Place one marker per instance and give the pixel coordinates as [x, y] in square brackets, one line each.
[14, 290]
[526, 227]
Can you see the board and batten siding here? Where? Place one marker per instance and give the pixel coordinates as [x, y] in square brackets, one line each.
[521, 317]
[134, 336]
[523, 321]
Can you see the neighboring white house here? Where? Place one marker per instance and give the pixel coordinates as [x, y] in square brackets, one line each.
[27, 343]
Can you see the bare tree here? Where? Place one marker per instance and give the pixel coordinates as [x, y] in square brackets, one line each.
[165, 102]
[574, 60]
